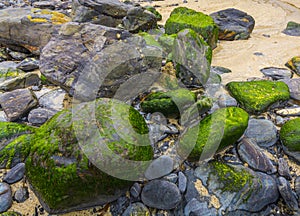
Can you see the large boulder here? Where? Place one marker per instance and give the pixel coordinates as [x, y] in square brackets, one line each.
[258, 96]
[28, 29]
[182, 18]
[215, 132]
[93, 59]
[193, 58]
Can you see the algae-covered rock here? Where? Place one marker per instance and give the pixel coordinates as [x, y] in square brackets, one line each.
[167, 41]
[59, 167]
[292, 29]
[182, 18]
[215, 132]
[168, 103]
[290, 135]
[294, 64]
[154, 11]
[193, 58]
[258, 96]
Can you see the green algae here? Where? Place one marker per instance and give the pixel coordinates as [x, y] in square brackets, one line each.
[11, 129]
[150, 39]
[290, 134]
[258, 96]
[183, 18]
[167, 41]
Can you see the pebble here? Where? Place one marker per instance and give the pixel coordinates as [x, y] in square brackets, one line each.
[161, 194]
[262, 131]
[5, 197]
[28, 64]
[220, 70]
[15, 174]
[159, 167]
[135, 190]
[39, 116]
[277, 73]
[136, 209]
[287, 194]
[196, 208]
[292, 29]
[171, 178]
[17, 55]
[21, 195]
[182, 182]
[226, 100]
[283, 168]
[294, 87]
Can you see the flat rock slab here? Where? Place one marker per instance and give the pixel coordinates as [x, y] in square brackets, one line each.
[292, 29]
[17, 103]
[233, 24]
[277, 73]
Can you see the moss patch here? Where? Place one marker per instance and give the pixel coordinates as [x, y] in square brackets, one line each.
[290, 135]
[258, 96]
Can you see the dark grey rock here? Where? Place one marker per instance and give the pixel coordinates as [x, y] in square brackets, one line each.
[277, 73]
[53, 100]
[119, 206]
[182, 182]
[292, 29]
[250, 153]
[15, 174]
[233, 24]
[19, 56]
[294, 86]
[196, 208]
[159, 167]
[135, 190]
[283, 168]
[262, 131]
[226, 100]
[220, 70]
[5, 197]
[44, 5]
[161, 194]
[287, 194]
[28, 64]
[171, 178]
[39, 116]
[297, 186]
[136, 209]
[21, 81]
[21, 194]
[17, 103]
[294, 64]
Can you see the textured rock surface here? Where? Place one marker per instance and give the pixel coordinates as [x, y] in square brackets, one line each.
[277, 73]
[294, 64]
[290, 135]
[294, 87]
[292, 29]
[5, 197]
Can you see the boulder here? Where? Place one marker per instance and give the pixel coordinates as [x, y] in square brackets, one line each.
[258, 96]
[294, 64]
[277, 73]
[292, 29]
[183, 18]
[290, 135]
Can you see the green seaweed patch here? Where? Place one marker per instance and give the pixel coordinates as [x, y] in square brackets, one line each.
[258, 96]
[290, 134]
[233, 180]
[10, 213]
[9, 130]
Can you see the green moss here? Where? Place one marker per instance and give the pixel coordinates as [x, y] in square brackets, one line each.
[167, 41]
[150, 39]
[215, 132]
[233, 180]
[10, 129]
[10, 213]
[183, 18]
[294, 64]
[154, 11]
[258, 96]
[290, 135]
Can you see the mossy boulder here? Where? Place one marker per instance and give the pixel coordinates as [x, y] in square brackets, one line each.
[213, 133]
[47, 16]
[258, 96]
[294, 64]
[290, 135]
[59, 168]
[182, 18]
[167, 41]
[193, 58]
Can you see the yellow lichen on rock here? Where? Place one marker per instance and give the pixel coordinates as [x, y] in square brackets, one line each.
[36, 20]
[55, 17]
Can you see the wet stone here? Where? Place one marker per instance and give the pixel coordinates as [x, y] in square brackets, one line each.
[28, 64]
[21, 195]
[15, 174]
[262, 131]
[277, 73]
[287, 194]
[39, 116]
[182, 182]
[161, 194]
[233, 24]
[283, 168]
[294, 87]
[135, 190]
[136, 209]
[250, 153]
[5, 197]
[159, 167]
[292, 29]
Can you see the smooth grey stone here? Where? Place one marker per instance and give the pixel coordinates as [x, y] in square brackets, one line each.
[5, 197]
[39, 116]
[136, 209]
[294, 86]
[159, 167]
[135, 190]
[182, 182]
[21, 195]
[287, 194]
[196, 208]
[277, 73]
[28, 64]
[219, 70]
[171, 178]
[283, 168]
[15, 174]
[53, 100]
[262, 131]
[226, 100]
[161, 194]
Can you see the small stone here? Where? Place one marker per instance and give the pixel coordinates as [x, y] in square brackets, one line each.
[15, 174]
[287, 194]
[161, 194]
[159, 167]
[294, 87]
[21, 195]
[44, 5]
[297, 186]
[17, 55]
[3, 117]
[220, 70]
[292, 29]
[182, 182]
[135, 190]
[5, 197]
[262, 131]
[294, 64]
[136, 209]
[196, 208]
[53, 100]
[226, 100]
[28, 64]
[171, 178]
[277, 73]
[283, 168]
[39, 116]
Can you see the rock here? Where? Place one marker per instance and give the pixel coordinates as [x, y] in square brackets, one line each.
[183, 18]
[167, 41]
[294, 87]
[154, 11]
[287, 194]
[159, 167]
[15, 174]
[214, 79]
[297, 186]
[135, 190]
[21, 81]
[3, 117]
[21, 195]
[44, 5]
[10, 213]
[251, 154]
[290, 137]
[19, 56]
[28, 29]
[182, 182]
[215, 132]
[119, 206]
[57, 166]
[196, 208]
[39, 116]
[262, 131]
[294, 64]
[5, 197]
[138, 19]
[28, 64]
[283, 168]
[161, 194]
[219, 70]
[17, 103]
[292, 29]
[8, 70]
[187, 47]
[136, 209]
[171, 178]
[233, 24]
[277, 73]
[226, 100]
[289, 112]
[53, 100]
[270, 93]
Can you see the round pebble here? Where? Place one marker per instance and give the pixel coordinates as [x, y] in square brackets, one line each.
[5, 197]
[15, 174]
[21, 195]
[159, 167]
